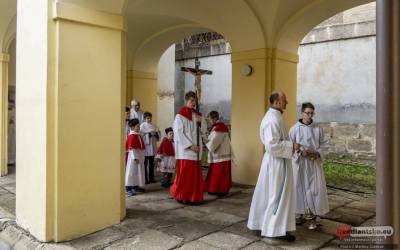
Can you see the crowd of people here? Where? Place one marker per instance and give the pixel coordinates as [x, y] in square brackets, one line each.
[179, 153]
[291, 184]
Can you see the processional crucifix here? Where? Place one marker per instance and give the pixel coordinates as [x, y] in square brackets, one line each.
[197, 73]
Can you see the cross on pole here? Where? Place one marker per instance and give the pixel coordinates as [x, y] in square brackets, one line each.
[197, 73]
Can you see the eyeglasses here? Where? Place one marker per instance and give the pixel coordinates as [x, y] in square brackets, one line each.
[309, 113]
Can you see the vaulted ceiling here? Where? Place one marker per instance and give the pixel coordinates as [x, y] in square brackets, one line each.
[8, 10]
[153, 25]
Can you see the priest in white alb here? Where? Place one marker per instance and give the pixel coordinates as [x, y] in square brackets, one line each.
[273, 205]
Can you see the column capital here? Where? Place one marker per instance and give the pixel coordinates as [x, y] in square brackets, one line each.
[265, 53]
[132, 74]
[77, 14]
[4, 57]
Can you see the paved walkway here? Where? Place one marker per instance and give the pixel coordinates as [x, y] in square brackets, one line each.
[155, 221]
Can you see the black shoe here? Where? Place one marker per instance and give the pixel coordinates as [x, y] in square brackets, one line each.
[185, 202]
[191, 203]
[152, 181]
[139, 189]
[288, 237]
[219, 194]
[300, 221]
[166, 185]
[130, 193]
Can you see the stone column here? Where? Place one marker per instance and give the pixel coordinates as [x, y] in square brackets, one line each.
[4, 60]
[70, 116]
[388, 116]
[272, 70]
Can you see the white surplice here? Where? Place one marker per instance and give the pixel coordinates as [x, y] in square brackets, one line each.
[135, 175]
[219, 147]
[309, 178]
[273, 206]
[150, 134]
[185, 135]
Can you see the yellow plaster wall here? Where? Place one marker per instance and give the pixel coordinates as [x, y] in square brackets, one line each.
[144, 89]
[272, 70]
[70, 96]
[129, 91]
[123, 92]
[89, 126]
[248, 108]
[284, 78]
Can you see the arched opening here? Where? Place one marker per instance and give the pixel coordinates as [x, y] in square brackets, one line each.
[336, 72]
[155, 79]
[7, 77]
[7, 107]
[11, 145]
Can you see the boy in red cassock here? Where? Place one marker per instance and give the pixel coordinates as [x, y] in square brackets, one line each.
[219, 179]
[188, 186]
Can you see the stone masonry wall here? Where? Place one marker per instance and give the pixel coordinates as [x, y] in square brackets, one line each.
[355, 140]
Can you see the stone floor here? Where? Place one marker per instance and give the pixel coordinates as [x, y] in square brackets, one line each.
[155, 221]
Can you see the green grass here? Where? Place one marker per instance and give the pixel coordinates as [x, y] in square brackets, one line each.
[354, 176]
[351, 176]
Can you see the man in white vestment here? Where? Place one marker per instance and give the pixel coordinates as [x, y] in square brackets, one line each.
[273, 206]
[309, 178]
[136, 112]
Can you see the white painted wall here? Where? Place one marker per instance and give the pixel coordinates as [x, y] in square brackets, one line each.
[166, 84]
[216, 88]
[339, 78]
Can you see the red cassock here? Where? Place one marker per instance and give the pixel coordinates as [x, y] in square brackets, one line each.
[188, 183]
[133, 141]
[219, 179]
[166, 147]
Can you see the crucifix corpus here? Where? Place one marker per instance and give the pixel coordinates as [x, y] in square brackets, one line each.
[197, 73]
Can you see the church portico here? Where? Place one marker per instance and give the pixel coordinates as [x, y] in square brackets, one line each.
[80, 62]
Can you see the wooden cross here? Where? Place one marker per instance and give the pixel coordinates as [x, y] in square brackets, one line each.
[197, 73]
